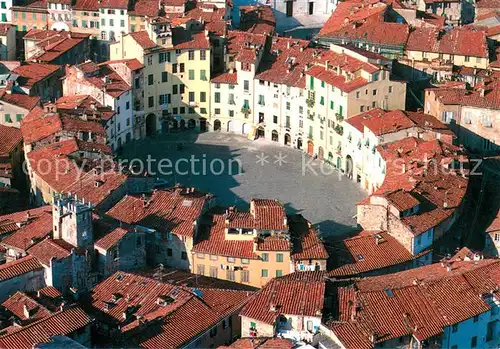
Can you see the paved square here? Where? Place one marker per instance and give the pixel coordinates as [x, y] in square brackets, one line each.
[259, 169]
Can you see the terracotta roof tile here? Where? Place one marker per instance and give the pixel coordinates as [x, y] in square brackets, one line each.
[18, 99]
[301, 294]
[49, 292]
[459, 41]
[11, 138]
[261, 343]
[184, 315]
[31, 73]
[148, 8]
[61, 323]
[371, 251]
[86, 5]
[30, 234]
[111, 239]
[456, 96]
[172, 210]
[307, 245]
[49, 249]
[225, 78]
[216, 244]
[4, 28]
[420, 302]
[13, 221]
[19, 301]
[18, 267]
[114, 4]
[339, 81]
[142, 38]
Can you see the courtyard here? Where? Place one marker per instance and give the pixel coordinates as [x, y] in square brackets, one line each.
[236, 170]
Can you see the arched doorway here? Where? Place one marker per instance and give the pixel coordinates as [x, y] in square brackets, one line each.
[183, 124]
[175, 124]
[230, 126]
[245, 129]
[348, 166]
[203, 125]
[288, 139]
[274, 136]
[261, 133]
[191, 123]
[217, 125]
[150, 124]
[321, 153]
[299, 143]
[310, 148]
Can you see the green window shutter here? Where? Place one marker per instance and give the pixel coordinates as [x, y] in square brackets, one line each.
[311, 83]
[331, 105]
[19, 117]
[7, 118]
[340, 110]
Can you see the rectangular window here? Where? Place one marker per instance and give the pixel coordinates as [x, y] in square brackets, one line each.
[191, 74]
[246, 85]
[151, 102]
[164, 76]
[150, 79]
[122, 23]
[217, 97]
[4, 5]
[203, 75]
[264, 273]
[200, 269]
[275, 119]
[191, 55]
[175, 89]
[231, 259]
[265, 257]
[213, 272]
[174, 68]
[7, 118]
[111, 23]
[217, 111]
[191, 96]
[279, 257]
[245, 276]
[19, 117]
[454, 328]
[181, 67]
[33, 16]
[181, 88]
[231, 275]
[473, 342]
[261, 100]
[203, 55]
[279, 273]
[203, 97]
[311, 83]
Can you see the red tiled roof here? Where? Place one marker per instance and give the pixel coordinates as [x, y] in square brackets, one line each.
[18, 267]
[216, 244]
[300, 294]
[10, 139]
[459, 41]
[261, 343]
[456, 96]
[172, 210]
[119, 4]
[257, 19]
[86, 5]
[132, 64]
[225, 78]
[354, 20]
[49, 292]
[38, 125]
[8, 222]
[179, 321]
[142, 38]
[17, 303]
[61, 323]
[200, 13]
[381, 122]
[49, 248]
[266, 215]
[115, 85]
[236, 40]
[52, 50]
[441, 189]
[339, 81]
[149, 8]
[4, 28]
[196, 41]
[495, 225]
[218, 27]
[493, 4]
[273, 243]
[368, 255]
[31, 73]
[20, 100]
[402, 200]
[419, 302]
[307, 245]
[53, 165]
[111, 239]
[31, 233]
[97, 187]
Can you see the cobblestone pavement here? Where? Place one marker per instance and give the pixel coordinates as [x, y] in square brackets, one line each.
[258, 169]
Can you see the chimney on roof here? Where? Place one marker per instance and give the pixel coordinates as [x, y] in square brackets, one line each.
[26, 311]
[481, 92]
[301, 48]
[288, 44]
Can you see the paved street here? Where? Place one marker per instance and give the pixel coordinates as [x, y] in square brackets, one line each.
[323, 197]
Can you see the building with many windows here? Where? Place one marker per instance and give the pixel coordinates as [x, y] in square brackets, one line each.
[254, 247]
